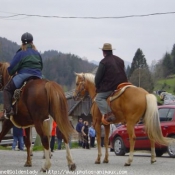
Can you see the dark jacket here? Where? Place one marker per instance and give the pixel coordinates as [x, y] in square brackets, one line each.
[110, 73]
[79, 127]
[86, 129]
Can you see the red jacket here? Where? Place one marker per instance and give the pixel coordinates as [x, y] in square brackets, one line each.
[54, 125]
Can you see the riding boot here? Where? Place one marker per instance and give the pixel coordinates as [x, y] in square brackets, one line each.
[110, 117]
[7, 97]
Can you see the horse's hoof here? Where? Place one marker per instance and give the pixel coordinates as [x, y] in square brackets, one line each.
[105, 161]
[31, 154]
[127, 164]
[72, 167]
[153, 161]
[97, 162]
[27, 165]
[43, 170]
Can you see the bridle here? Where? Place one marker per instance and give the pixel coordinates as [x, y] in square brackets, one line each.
[81, 89]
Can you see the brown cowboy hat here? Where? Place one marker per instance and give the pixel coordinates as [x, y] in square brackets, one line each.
[107, 46]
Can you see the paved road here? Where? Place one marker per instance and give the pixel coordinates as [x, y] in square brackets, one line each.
[84, 159]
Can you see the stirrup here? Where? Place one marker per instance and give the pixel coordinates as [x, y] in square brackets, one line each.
[108, 119]
[7, 115]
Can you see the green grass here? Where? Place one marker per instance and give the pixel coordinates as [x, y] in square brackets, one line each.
[166, 85]
[40, 148]
[5, 148]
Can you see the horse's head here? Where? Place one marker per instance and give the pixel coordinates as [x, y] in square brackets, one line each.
[4, 76]
[80, 89]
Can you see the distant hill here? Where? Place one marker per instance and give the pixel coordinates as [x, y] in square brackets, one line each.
[97, 63]
[7, 49]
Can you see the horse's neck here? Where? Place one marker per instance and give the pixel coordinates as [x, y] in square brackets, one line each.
[91, 90]
[6, 76]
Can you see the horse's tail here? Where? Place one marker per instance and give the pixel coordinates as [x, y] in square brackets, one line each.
[58, 108]
[152, 122]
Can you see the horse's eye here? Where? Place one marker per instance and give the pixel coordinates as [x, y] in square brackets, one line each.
[77, 84]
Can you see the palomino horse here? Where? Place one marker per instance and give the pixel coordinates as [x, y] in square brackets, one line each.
[39, 99]
[129, 107]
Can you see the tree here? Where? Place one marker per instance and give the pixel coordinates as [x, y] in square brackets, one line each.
[167, 65]
[142, 78]
[139, 61]
[128, 69]
[140, 74]
[173, 57]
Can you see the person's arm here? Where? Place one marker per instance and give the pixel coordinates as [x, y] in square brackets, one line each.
[14, 64]
[82, 130]
[99, 74]
[90, 132]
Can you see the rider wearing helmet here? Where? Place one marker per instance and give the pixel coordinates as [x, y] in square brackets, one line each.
[26, 63]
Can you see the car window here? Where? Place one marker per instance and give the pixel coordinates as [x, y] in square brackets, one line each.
[170, 114]
[166, 114]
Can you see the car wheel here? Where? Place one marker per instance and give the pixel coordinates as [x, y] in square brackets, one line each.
[171, 149]
[119, 147]
[159, 153]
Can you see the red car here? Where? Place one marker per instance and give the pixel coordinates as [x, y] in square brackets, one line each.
[119, 139]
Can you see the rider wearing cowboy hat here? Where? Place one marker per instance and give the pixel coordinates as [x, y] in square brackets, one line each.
[110, 73]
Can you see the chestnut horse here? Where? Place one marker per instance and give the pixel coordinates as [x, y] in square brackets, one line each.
[39, 99]
[129, 107]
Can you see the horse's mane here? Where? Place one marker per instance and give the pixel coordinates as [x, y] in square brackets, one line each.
[88, 76]
[4, 67]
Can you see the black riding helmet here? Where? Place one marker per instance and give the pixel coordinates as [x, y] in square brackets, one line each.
[26, 38]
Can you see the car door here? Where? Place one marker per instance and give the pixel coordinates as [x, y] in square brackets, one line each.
[166, 120]
[142, 140]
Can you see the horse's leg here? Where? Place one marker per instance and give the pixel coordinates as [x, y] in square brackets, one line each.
[7, 125]
[27, 141]
[132, 137]
[31, 139]
[98, 134]
[153, 153]
[107, 127]
[71, 164]
[43, 130]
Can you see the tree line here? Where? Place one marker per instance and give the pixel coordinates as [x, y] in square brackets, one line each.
[142, 75]
[60, 67]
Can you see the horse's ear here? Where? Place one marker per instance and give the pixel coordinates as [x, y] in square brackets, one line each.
[77, 74]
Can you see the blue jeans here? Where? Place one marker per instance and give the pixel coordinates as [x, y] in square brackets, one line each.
[59, 143]
[52, 143]
[20, 140]
[20, 78]
[102, 104]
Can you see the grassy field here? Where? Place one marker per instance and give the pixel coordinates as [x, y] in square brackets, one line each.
[40, 148]
[166, 84]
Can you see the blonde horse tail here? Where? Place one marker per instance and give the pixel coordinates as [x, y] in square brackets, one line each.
[58, 108]
[152, 122]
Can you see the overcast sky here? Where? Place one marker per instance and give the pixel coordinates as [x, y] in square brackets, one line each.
[154, 35]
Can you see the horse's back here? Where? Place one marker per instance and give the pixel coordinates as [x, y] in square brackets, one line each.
[131, 103]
